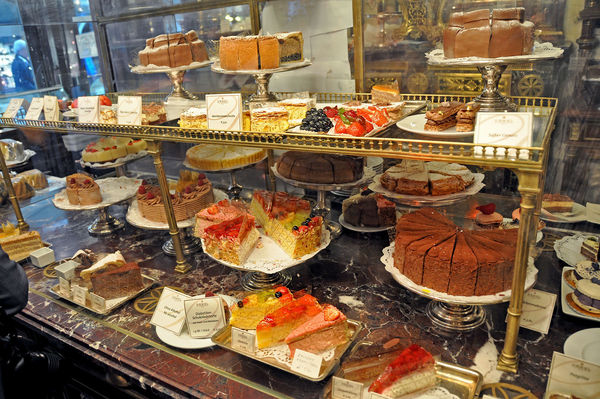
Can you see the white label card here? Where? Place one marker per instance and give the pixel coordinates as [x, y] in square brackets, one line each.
[13, 108]
[243, 340]
[577, 377]
[35, 109]
[538, 307]
[511, 129]
[489, 397]
[51, 111]
[307, 363]
[64, 286]
[204, 316]
[130, 110]
[89, 109]
[374, 395]
[224, 111]
[170, 311]
[97, 302]
[346, 389]
[80, 295]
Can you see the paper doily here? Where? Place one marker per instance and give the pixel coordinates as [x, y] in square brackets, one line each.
[281, 353]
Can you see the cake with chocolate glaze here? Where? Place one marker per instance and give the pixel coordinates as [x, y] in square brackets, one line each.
[320, 168]
[173, 50]
[369, 209]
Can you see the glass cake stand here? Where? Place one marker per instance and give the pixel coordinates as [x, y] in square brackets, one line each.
[175, 76]
[262, 77]
[189, 243]
[491, 70]
[321, 208]
[234, 191]
[113, 191]
[453, 312]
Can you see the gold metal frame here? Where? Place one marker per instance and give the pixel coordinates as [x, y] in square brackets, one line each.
[529, 169]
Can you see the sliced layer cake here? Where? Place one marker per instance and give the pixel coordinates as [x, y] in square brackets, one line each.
[231, 240]
[286, 219]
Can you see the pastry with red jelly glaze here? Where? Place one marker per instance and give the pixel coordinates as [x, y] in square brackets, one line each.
[413, 370]
[249, 311]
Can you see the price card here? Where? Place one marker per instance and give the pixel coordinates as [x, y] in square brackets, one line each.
[80, 295]
[307, 363]
[538, 307]
[97, 302]
[35, 109]
[224, 111]
[130, 110]
[64, 286]
[89, 109]
[243, 340]
[511, 129]
[345, 389]
[374, 395]
[170, 311]
[577, 377]
[13, 108]
[204, 316]
[489, 397]
[51, 110]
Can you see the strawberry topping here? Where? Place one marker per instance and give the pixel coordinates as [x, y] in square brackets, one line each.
[487, 209]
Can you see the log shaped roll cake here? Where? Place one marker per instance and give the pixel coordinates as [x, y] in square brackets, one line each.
[82, 190]
[196, 195]
[481, 33]
[320, 168]
[433, 252]
[286, 219]
[173, 50]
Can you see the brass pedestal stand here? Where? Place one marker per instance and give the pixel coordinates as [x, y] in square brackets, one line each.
[12, 197]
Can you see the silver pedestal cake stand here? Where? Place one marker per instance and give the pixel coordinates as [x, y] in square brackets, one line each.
[491, 70]
[262, 77]
[321, 208]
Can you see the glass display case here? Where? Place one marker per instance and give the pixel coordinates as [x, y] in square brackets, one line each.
[350, 46]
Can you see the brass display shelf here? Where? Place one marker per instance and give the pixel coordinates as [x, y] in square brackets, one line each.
[529, 165]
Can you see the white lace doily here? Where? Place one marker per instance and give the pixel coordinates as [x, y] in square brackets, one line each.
[436, 392]
[388, 260]
[568, 248]
[281, 353]
[268, 257]
[540, 51]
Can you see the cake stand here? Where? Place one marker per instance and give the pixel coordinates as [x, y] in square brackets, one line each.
[262, 77]
[175, 76]
[119, 165]
[268, 262]
[491, 70]
[453, 312]
[321, 208]
[234, 191]
[189, 243]
[113, 190]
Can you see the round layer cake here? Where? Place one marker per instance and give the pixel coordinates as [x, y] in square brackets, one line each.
[192, 199]
[320, 168]
[218, 157]
[82, 190]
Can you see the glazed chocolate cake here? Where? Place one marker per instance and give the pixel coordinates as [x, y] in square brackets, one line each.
[320, 168]
[433, 252]
[369, 209]
[481, 33]
[173, 50]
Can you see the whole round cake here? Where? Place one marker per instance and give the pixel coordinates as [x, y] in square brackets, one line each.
[82, 190]
[217, 157]
[433, 252]
[320, 168]
[196, 194]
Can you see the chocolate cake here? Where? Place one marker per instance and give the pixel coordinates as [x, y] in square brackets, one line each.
[320, 168]
[173, 50]
[369, 209]
[481, 33]
[433, 252]
[116, 282]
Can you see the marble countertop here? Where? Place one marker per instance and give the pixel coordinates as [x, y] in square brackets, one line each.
[347, 274]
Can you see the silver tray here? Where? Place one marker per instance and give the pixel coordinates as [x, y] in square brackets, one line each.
[111, 304]
[223, 339]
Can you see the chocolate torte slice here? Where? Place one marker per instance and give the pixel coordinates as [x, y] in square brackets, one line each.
[504, 258]
[463, 273]
[490, 276]
[369, 209]
[437, 265]
[416, 253]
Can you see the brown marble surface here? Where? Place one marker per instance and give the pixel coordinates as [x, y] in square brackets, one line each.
[347, 274]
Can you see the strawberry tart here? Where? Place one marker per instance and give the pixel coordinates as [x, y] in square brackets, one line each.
[249, 311]
[217, 213]
[111, 148]
[413, 370]
[232, 240]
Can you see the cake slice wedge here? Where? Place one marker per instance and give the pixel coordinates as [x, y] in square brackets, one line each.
[232, 240]
[253, 308]
[413, 370]
[326, 330]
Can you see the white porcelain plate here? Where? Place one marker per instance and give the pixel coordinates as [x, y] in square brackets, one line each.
[584, 344]
[183, 340]
[566, 289]
[415, 124]
[362, 229]
[568, 248]
[578, 214]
